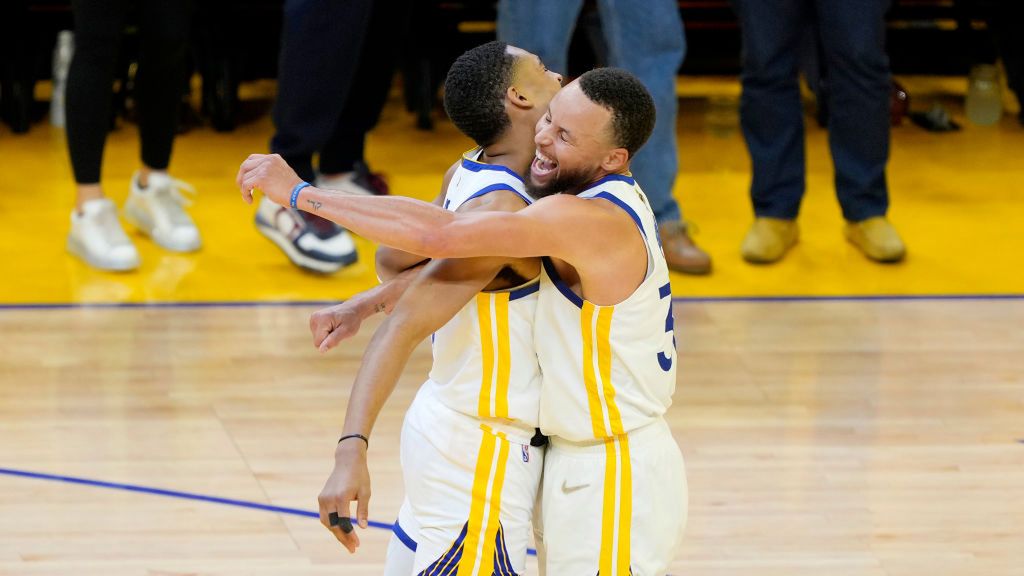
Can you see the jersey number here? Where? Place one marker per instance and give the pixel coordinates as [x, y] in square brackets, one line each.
[663, 360]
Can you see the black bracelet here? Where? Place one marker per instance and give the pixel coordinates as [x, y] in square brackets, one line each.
[360, 436]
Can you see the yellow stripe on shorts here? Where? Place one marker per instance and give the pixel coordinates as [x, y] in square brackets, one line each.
[617, 505]
[488, 481]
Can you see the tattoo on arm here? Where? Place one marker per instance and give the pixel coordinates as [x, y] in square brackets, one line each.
[316, 205]
[380, 307]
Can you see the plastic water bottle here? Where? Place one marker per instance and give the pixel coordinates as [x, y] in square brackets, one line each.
[62, 54]
[984, 102]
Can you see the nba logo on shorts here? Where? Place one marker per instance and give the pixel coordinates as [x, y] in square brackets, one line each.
[526, 453]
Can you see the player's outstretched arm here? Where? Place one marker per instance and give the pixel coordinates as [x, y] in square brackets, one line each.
[433, 298]
[390, 261]
[329, 326]
[561, 226]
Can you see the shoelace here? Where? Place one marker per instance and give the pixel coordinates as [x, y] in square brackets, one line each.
[174, 201]
[110, 227]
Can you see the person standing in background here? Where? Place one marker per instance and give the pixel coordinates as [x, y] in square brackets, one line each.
[335, 69]
[852, 36]
[651, 44]
[1006, 21]
[154, 203]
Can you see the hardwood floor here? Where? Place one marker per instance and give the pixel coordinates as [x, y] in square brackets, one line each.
[880, 437]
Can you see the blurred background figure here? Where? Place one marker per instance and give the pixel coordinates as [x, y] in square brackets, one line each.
[155, 203]
[649, 43]
[16, 74]
[336, 64]
[1005, 19]
[852, 46]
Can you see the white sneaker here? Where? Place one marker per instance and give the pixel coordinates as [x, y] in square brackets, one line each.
[309, 241]
[158, 210]
[97, 237]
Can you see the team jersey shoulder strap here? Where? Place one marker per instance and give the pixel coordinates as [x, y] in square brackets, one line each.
[474, 179]
[623, 191]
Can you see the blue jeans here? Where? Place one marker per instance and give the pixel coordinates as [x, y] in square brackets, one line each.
[856, 68]
[651, 47]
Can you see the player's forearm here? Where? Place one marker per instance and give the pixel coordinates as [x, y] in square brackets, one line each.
[392, 290]
[385, 358]
[404, 223]
[384, 296]
[391, 262]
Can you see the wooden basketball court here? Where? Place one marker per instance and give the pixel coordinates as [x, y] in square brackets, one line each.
[837, 417]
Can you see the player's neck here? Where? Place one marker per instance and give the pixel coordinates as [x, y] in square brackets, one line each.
[512, 151]
[601, 173]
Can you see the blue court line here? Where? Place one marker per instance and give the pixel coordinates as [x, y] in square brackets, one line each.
[185, 496]
[172, 494]
[676, 300]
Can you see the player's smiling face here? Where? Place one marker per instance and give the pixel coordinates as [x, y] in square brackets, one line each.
[573, 141]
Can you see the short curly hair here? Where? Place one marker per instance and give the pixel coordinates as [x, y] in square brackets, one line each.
[627, 99]
[474, 91]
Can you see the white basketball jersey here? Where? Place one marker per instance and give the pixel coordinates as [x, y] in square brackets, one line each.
[485, 364]
[607, 370]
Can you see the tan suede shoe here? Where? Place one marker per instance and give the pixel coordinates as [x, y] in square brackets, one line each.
[681, 253]
[877, 239]
[768, 240]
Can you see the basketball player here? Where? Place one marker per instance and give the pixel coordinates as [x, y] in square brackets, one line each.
[470, 474]
[614, 486]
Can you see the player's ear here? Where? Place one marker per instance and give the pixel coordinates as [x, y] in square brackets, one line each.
[518, 99]
[616, 160]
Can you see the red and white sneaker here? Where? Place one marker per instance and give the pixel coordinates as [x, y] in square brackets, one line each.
[309, 241]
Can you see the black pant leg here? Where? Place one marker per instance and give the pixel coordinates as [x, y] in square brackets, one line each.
[385, 34]
[320, 46]
[853, 39]
[163, 31]
[98, 28]
[771, 115]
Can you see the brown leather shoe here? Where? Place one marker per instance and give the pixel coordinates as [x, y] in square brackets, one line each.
[877, 239]
[681, 253]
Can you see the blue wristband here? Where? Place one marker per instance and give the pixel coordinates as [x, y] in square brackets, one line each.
[295, 192]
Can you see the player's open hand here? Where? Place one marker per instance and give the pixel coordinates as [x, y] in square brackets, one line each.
[349, 483]
[268, 173]
[333, 324]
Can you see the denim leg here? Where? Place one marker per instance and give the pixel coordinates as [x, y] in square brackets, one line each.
[543, 27]
[652, 47]
[853, 39]
[770, 112]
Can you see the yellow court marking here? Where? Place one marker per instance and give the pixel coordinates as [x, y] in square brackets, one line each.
[957, 199]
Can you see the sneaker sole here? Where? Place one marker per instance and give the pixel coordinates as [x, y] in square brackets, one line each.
[78, 251]
[140, 223]
[300, 259]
